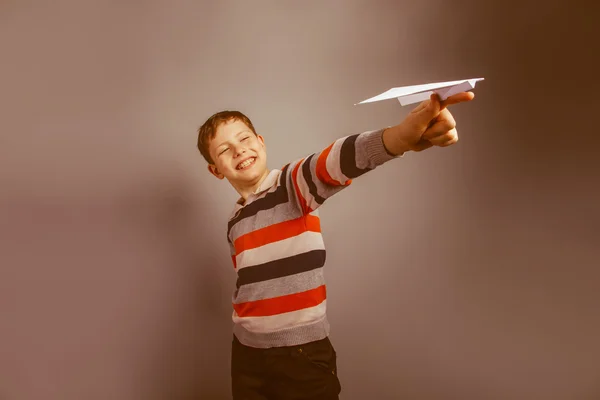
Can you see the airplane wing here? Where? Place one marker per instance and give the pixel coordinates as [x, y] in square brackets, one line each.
[417, 93]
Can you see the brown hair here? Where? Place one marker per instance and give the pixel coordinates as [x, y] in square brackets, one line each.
[208, 130]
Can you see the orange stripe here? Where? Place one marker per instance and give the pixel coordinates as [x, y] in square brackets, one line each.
[305, 208]
[234, 261]
[321, 170]
[282, 304]
[276, 232]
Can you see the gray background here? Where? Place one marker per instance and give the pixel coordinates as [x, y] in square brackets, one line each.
[468, 272]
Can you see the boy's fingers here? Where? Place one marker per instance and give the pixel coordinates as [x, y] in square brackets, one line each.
[422, 145]
[442, 124]
[420, 107]
[458, 98]
[429, 112]
[446, 139]
[422, 115]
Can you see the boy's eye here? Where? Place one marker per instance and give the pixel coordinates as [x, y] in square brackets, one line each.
[247, 137]
[224, 150]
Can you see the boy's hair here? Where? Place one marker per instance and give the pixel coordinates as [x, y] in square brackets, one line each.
[208, 130]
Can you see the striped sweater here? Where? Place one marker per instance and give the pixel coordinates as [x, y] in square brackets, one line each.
[277, 247]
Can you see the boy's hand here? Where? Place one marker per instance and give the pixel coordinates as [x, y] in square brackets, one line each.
[429, 124]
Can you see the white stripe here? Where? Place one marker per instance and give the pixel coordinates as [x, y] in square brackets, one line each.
[302, 243]
[278, 287]
[333, 162]
[281, 321]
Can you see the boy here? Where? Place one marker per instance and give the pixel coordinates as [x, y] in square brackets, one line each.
[281, 347]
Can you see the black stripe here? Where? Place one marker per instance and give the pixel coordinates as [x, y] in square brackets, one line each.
[283, 267]
[348, 159]
[308, 178]
[279, 196]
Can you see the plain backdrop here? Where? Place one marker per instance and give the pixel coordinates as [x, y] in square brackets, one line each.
[469, 272]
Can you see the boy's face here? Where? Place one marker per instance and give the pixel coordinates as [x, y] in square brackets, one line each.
[238, 155]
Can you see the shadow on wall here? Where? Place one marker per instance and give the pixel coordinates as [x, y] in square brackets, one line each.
[124, 302]
[190, 352]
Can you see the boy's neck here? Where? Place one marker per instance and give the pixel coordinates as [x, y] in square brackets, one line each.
[246, 191]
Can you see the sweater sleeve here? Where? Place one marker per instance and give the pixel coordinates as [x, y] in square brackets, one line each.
[321, 175]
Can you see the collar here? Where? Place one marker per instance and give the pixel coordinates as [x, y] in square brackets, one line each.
[266, 184]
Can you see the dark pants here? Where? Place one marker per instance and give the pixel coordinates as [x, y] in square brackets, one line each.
[306, 371]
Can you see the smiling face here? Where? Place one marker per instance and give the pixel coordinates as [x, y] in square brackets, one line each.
[238, 155]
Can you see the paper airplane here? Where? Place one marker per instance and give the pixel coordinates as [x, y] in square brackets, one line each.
[417, 93]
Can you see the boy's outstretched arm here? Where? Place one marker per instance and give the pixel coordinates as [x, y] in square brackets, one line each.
[319, 176]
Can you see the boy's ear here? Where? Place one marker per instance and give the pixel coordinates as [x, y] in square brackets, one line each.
[215, 171]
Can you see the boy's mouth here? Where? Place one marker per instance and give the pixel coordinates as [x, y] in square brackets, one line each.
[245, 164]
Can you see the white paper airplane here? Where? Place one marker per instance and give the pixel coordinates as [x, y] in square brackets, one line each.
[417, 93]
